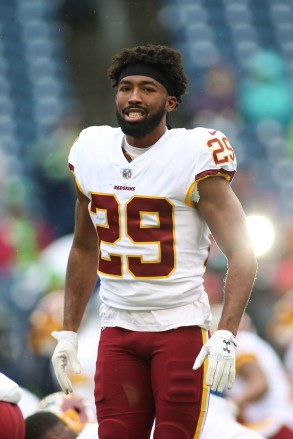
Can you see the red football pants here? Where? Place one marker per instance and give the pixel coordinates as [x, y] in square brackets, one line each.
[284, 433]
[12, 424]
[142, 376]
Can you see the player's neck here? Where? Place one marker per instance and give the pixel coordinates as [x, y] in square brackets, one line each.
[148, 140]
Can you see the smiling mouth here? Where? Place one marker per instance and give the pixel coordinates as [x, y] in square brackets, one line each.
[134, 115]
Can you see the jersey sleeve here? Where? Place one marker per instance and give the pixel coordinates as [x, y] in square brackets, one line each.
[75, 162]
[73, 156]
[216, 156]
[247, 349]
[80, 156]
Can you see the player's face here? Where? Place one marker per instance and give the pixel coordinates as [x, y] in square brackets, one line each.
[141, 104]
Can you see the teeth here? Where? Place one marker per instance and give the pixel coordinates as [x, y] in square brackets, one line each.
[134, 115]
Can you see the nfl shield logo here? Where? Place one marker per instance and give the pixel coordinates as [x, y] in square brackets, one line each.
[126, 173]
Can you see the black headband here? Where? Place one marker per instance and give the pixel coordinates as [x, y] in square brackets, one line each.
[152, 71]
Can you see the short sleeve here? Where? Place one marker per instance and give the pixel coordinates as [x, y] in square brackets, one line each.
[75, 161]
[73, 156]
[216, 156]
[85, 152]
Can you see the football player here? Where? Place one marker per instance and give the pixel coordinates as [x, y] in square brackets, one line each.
[148, 198]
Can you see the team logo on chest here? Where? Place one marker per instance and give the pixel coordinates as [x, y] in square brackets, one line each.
[127, 173]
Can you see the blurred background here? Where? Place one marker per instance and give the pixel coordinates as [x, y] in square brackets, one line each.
[53, 61]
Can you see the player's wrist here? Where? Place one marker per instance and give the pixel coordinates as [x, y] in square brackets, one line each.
[61, 335]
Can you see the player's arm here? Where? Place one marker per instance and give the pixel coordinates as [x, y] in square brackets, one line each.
[224, 215]
[256, 384]
[81, 274]
[81, 278]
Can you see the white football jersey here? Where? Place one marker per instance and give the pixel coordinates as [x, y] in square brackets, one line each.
[221, 424]
[272, 410]
[149, 229]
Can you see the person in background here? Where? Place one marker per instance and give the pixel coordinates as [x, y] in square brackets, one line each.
[47, 425]
[28, 403]
[75, 410]
[221, 422]
[262, 392]
[75, 418]
[47, 315]
[148, 198]
[12, 424]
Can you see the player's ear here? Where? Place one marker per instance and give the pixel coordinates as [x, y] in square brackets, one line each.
[171, 103]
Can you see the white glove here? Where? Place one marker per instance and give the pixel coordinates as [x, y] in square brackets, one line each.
[9, 390]
[65, 353]
[220, 350]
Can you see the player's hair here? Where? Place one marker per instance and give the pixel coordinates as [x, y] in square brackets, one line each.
[167, 60]
[40, 424]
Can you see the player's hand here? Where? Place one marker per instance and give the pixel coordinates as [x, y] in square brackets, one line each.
[65, 354]
[220, 351]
